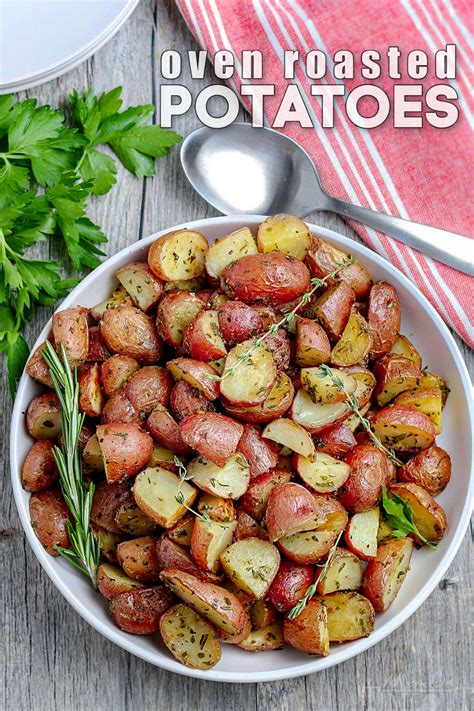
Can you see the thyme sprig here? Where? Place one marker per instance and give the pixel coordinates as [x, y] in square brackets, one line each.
[185, 476]
[311, 591]
[84, 550]
[316, 283]
[354, 406]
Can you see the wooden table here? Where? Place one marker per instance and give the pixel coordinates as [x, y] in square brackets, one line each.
[53, 660]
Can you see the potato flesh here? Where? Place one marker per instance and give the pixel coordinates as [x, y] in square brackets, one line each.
[141, 284]
[284, 233]
[344, 573]
[291, 435]
[251, 564]
[216, 537]
[264, 640]
[316, 417]
[398, 571]
[323, 473]
[229, 481]
[425, 400]
[354, 343]
[189, 638]
[252, 378]
[350, 616]
[431, 526]
[405, 348]
[363, 531]
[321, 388]
[307, 547]
[402, 436]
[92, 455]
[155, 492]
[112, 581]
[180, 255]
[228, 249]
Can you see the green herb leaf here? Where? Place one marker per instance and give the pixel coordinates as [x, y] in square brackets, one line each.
[399, 516]
[17, 355]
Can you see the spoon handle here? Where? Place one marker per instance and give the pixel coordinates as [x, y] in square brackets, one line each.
[448, 247]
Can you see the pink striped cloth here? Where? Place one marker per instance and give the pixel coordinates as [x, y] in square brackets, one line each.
[423, 175]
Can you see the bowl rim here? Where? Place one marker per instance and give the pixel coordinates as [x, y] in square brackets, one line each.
[128, 642]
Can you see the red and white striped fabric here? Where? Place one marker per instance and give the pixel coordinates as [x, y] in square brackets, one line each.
[423, 175]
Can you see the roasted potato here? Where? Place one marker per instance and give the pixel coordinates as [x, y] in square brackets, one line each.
[209, 539]
[312, 345]
[430, 469]
[172, 555]
[291, 435]
[403, 429]
[238, 322]
[107, 543]
[365, 383]
[266, 278]
[431, 380]
[162, 495]
[308, 632]
[115, 371]
[221, 607]
[336, 440]
[290, 584]
[361, 533]
[254, 500]
[307, 546]
[70, 329]
[383, 318]
[284, 233]
[148, 387]
[428, 516]
[91, 397]
[43, 416]
[108, 498]
[178, 255]
[260, 453]
[251, 564]
[165, 430]
[355, 341]
[138, 558]
[350, 616]
[229, 481]
[39, 471]
[290, 509]
[316, 417]
[125, 449]
[369, 471]
[119, 409]
[279, 346]
[262, 614]
[97, 351]
[247, 527]
[247, 381]
[128, 331]
[202, 339]
[190, 639]
[38, 369]
[227, 250]
[395, 374]
[200, 376]
[322, 473]
[405, 348]
[323, 258]
[176, 311]
[119, 297]
[321, 387]
[332, 513]
[217, 508]
[186, 284]
[131, 520]
[333, 308]
[344, 572]
[182, 530]
[138, 611]
[213, 435]
[426, 400]
[111, 581]
[276, 404]
[139, 281]
[186, 400]
[48, 516]
[265, 639]
[385, 574]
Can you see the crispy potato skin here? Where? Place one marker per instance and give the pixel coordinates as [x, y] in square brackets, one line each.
[149, 386]
[118, 408]
[126, 449]
[175, 312]
[332, 513]
[255, 499]
[70, 329]
[43, 416]
[202, 339]
[430, 469]
[308, 632]
[266, 278]
[405, 419]
[247, 527]
[48, 516]
[138, 558]
[429, 516]
[199, 375]
[97, 349]
[37, 368]
[333, 308]
[112, 581]
[115, 371]
[383, 317]
[290, 584]
[261, 453]
[336, 440]
[128, 331]
[394, 374]
[39, 471]
[377, 575]
[91, 397]
[186, 400]
[290, 508]
[213, 435]
[165, 430]
[369, 472]
[108, 498]
[138, 611]
[322, 258]
[238, 322]
[312, 344]
[279, 345]
[171, 555]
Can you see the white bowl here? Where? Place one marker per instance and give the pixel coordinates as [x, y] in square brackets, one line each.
[420, 323]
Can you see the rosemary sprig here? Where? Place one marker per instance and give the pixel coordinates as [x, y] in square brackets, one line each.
[353, 403]
[399, 516]
[287, 318]
[311, 591]
[184, 476]
[84, 550]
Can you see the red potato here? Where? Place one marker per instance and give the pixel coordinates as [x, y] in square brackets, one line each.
[307, 546]
[312, 344]
[323, 258]
[107, 543]
[185, 284]
[266, 278]
[251, 564]
[91, 397]
[290, 584]
[308, 632]
[229, 481]
[332, 513]
[238, 322]
[175, 312]
[148, 387]
[254, 500]
[260, 453]
[128, 331]
[165, 430]
[139, 281]
[404, 347]
[321, 386]
[108, 498]
[290, 509]
[395, 374]
[430, 469]
[403, 429]
[265, 640]
[43, 416]
[118, 408]
[92, 458]
[70, 329]
[428, 516]
[247, 527]
[189, 638]
[115, 371]
[385, 574]
[350, 616]
[276, 404]
[336, 440]
[365, 383]
[97, 349]
[221, 607]
[343, 573]
[228, 249]
[178, 255]
[162, 457]
[279, 346]
[48, 516]
[186, 400]
[383, 317]
[214, 436]
[39, 471]
[125, 449]
[287, 234]
[262, 614]
[199, 375]
[322, 473]
[162, 496]
[202, 339]
[361, 533]
[333, 308]
[172, 555]
[369, 471]
[131, 520]
[217, 508]
[290, 435]
[247, 382]
[119, 297]
[38, 369]
[316, 417]
[431, 380]
[138, 558]
[355, 341]
[209, 539]
[181, 531]
[111, 581]
[426, 400]
[138, 611]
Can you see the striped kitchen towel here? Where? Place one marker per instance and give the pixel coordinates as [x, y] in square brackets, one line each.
[424, 174]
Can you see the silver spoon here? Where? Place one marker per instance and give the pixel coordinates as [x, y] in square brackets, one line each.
[245, 170]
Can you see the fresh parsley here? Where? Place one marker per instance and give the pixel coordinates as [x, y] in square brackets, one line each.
[399, 516]
[49, 166]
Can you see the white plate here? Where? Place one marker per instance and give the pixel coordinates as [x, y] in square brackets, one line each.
[55, 36]
[421, 323]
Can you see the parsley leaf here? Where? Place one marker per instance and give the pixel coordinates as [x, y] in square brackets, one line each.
[399, 516]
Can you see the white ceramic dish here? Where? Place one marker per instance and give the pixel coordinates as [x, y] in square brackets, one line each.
[423, 325]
